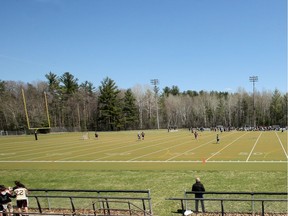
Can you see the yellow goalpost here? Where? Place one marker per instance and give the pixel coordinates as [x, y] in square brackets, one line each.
[27, 117]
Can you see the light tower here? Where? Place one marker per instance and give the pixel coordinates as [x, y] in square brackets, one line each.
[254, 79]
[155, 83]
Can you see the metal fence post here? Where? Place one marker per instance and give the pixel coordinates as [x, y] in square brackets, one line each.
[222, 207]
[73, 207]
[39, 206]
[129, 207]
[182, 206]
[144, 207]
[253, 212]
[107, 205]
[94, 209]
[186, 201]
[48, 200]
[263, 211]
[150, 204]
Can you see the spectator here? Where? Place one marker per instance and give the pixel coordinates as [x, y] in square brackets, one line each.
[21, 196]
[198, 187]
[5, 195]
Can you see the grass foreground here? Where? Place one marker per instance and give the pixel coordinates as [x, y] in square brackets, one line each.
[162, 184]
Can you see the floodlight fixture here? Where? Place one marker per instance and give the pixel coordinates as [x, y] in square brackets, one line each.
[254, 79]
[155, 82]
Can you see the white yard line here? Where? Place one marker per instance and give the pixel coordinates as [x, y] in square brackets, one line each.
[43, 148]
[165, 149]
[101, 151]
[225, 147]
[281, 145]
[253, 147]
[117, 147]
[189, 151]
[193, 148]
[140, 148]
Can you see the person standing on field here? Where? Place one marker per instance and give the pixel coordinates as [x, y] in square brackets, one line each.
[196, 135]
[21, 196]
[143, 135]
[217, 139]
[35, 134]
[198, 188]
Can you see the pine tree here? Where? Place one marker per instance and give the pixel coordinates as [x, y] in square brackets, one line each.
[130, 110]
[276, 108]
[109, 105]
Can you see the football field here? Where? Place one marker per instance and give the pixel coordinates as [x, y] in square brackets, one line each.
[164, 162]
[158, 149]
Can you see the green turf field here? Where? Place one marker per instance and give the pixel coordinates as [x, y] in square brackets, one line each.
[159, 149]
[165, 163]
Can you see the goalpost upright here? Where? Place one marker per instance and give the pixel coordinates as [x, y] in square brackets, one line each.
[47, 112]
[27, 117]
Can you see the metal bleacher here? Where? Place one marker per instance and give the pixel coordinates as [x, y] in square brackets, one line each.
[138, 202]
[249, 203]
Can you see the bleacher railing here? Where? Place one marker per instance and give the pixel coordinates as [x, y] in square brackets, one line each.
[90, 202]
[233, 202]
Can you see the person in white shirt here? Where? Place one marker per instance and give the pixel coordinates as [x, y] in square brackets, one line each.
[21, 196]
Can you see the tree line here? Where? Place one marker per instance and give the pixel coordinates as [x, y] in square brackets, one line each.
[78, 106]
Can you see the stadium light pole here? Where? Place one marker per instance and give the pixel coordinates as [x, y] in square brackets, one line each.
[155, 83]
[254, 79]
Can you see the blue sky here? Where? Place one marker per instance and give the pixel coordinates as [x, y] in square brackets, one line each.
[193, 44]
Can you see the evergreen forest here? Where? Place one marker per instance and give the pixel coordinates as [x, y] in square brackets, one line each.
[64, 104]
